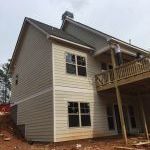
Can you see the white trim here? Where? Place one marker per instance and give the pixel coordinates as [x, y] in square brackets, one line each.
[32, 96]
[102, 50]
[70, 42]
[129, 45]
[73, 89]
[53, 74]
[80, 122]
[76, 64]
[106, 48]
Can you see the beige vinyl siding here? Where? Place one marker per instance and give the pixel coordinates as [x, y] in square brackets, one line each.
[73, 80]
[77, 88]
[34, 94]
[36, 114]
[99, 126]
[33, 65]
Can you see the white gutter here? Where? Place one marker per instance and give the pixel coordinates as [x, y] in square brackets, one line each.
[102, 50]
[107, 48]
[70, 42]
[129, 45]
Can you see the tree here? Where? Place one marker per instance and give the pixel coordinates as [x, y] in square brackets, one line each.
[6, 79]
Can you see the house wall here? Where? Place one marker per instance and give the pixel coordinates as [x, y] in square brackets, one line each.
[34, 95]
[76, 88]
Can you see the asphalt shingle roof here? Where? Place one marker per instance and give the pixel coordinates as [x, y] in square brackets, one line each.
[57, 32]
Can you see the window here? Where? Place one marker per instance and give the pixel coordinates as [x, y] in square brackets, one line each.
[70, 63]
[132, 117]
[73, 112]
[110, 66]
[16, 80]
[110, 118]
[79, 114]
[75, 64]
[81, 65]
[85, 114]
[103, 66]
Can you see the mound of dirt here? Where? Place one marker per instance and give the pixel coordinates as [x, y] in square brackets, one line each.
[11, 139]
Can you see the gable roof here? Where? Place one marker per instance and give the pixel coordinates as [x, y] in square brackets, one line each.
[102, 34]
[50, 32]
[56, 32]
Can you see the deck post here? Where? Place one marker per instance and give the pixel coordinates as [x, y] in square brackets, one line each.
[119, 100]
[144, 118]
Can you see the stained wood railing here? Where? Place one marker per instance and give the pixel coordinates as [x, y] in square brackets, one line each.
[124, 71]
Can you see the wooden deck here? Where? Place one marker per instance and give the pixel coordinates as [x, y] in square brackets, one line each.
[131, 72]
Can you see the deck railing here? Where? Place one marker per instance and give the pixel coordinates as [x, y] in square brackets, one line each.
[124, 71]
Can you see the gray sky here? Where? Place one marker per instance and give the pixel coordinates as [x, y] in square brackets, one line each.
[124, 19]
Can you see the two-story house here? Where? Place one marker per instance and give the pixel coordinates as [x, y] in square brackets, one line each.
[64, 83]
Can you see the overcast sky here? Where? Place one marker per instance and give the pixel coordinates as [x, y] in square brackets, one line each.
[124, 19]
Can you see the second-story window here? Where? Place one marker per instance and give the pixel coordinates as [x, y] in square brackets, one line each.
[75, 64]
[70, 63]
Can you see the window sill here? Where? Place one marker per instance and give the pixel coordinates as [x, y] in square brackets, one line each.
[75, 75]
[83, 127]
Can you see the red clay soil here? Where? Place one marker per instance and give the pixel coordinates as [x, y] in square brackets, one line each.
[16, 142]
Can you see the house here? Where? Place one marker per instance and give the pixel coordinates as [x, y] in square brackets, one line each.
[66, 84]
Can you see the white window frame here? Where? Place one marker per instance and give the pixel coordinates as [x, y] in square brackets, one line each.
[76, 64]
[80, 126]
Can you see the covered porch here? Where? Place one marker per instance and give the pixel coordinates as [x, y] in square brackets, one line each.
[128, 84]
[135, 101]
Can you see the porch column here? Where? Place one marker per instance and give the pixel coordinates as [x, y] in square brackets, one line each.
[119, 100]
[144, 118]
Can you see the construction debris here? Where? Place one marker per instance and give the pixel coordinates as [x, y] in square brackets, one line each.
[125, 148]
[7, 139]
[10, 139]
[142, 143]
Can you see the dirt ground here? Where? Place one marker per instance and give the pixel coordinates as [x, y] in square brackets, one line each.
[10, 139]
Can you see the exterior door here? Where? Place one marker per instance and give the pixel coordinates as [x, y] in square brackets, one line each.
[117, 117]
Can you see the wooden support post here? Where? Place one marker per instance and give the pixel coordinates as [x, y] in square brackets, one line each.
[119, 100]
[144, 118]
